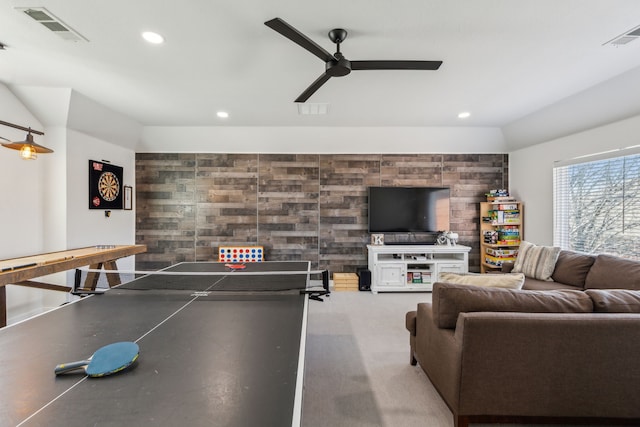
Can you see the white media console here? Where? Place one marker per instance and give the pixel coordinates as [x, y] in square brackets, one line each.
[397, 268]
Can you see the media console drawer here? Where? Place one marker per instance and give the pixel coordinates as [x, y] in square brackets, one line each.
[452, 268]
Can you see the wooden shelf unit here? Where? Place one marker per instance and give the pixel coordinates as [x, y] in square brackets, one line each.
[501, 231]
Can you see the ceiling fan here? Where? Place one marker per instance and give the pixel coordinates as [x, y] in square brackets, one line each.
[337, 65]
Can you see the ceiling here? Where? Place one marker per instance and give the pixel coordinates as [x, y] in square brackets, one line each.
[502, 59]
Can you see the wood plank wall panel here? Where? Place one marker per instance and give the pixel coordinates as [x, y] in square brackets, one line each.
[226, 197]
[299, 206]
[343, 209]
[288, 213]
[411, 170]
[165, 208]
[470, 176]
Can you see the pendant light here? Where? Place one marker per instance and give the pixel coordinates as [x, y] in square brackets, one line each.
[28, 148]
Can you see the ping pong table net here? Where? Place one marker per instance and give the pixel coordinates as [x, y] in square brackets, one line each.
[210, 277]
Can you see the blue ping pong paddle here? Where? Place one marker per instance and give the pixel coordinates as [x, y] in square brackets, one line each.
[106, 360]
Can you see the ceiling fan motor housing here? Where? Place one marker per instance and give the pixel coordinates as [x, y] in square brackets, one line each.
[339, 67]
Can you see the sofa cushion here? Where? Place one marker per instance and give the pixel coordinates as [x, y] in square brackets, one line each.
[615, 300]
[544, 285]
[450, 299]
[511, 281]
[611, 272]
[536, 261]
[572, 268]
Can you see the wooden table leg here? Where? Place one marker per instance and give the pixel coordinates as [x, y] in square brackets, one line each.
[91, 281]
[112, 278]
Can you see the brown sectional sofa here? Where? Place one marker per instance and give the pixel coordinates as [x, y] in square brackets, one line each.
[569, 354]
[580, 271]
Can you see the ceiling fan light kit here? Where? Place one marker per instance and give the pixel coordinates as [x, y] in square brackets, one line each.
[337, 65]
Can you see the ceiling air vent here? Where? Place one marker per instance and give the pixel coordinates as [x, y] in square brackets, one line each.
[52, 23]
[625, 38]
[312, 109]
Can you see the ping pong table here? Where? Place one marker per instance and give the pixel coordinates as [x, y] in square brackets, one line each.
[224, 358]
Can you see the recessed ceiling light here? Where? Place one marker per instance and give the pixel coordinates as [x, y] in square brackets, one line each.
[152, 37]
[222, 114]
[464, 115]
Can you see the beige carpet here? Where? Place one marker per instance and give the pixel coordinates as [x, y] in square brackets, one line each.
[357, 365]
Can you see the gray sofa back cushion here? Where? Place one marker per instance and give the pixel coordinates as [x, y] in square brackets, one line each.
[610, 272]
[615, 300]
[450, 299]
[572, 268]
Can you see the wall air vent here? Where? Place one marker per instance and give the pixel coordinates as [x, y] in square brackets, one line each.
[52, 23]
[625, 38]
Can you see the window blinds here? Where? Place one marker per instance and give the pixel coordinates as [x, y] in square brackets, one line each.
[597, 206]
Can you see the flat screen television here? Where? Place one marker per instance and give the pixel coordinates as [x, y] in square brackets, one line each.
[408, 209]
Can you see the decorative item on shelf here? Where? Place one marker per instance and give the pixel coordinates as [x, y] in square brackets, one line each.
[499, 195]
[28, 148]
[490, 237]
[448, 238]
[500, 192]
[377, 239]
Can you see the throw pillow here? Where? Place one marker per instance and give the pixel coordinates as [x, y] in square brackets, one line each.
[511, 280]
[537, 262]
[449, 300]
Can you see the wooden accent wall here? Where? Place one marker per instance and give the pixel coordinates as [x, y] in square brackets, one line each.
[298, 206]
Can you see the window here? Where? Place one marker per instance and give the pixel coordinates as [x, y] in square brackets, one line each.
[597, 206]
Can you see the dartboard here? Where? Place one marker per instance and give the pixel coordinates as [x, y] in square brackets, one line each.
[108, 186]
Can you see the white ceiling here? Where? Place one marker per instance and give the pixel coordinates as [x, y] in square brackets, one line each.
[503, 59]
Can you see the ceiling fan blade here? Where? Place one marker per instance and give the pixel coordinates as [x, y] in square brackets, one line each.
[313, 88]
[395, 65]
[296, 36]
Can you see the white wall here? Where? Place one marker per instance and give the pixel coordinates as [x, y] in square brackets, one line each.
[531, 170]
[321, 140]
[89, 227]
[21, 219]
[45, 202]
[21, 208]
[608, 102]
[54, 191]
